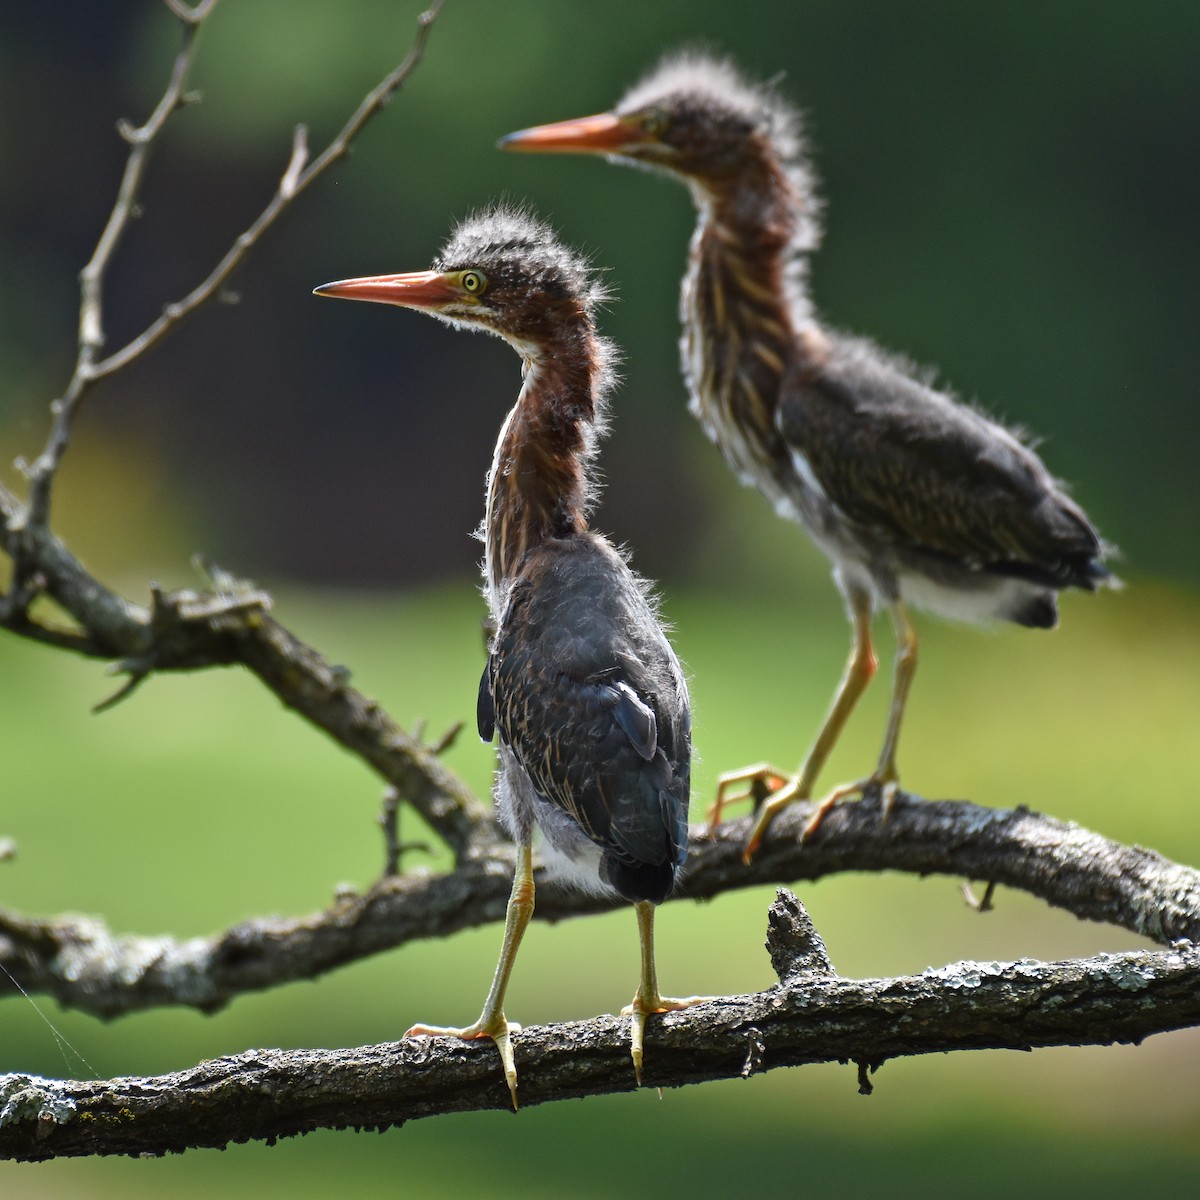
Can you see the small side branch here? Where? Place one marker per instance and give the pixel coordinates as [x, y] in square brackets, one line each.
[266, 1094]
[793, 943]
[298, 174]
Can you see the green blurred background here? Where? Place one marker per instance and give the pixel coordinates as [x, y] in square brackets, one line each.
[1012, 196]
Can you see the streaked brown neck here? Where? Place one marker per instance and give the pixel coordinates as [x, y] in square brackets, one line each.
[540, 481]
[739, 323]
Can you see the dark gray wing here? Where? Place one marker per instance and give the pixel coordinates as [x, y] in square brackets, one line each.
[588, 695]
[914, 467]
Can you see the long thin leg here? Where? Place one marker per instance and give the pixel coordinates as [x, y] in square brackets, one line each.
[886, 779]
[860, 668]
[906, 667]
[647, 999]
[492, 1022]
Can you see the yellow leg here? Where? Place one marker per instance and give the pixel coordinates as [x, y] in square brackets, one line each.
[492, 1022]
[647, 999]
[886, 779]
[886, 775]
[860, 668]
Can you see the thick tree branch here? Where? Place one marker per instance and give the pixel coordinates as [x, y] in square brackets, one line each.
[186, 631]
[113, 624]
[83, 965]
[813, 1015]
[810, 1017]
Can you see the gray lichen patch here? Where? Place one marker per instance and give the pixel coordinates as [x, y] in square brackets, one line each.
[32, 1098]
[98, 963]
[1128, 972]
[971, 974]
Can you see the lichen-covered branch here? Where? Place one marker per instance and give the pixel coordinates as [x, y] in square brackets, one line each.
[84, 965]
[185, 631]
[812, 1016]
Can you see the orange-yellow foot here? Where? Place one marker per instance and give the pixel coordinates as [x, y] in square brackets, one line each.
[751, 783]
[639, 1010]
[788, 793]
[496, 1028]
[883, 786]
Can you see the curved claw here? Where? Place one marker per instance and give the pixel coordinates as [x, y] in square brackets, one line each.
[768, 811]
[885, 786]
[638, 1010]
[499, 1030]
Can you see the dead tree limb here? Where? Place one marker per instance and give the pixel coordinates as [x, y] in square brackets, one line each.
[80, 962]
[811, 1016]
[185, 631]
[297, 176]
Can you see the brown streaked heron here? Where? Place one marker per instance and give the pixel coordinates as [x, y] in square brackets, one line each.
[581, 683]
[916, 498]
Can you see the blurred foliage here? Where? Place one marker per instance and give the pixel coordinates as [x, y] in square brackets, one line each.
[1012, 193]
[1011, 196]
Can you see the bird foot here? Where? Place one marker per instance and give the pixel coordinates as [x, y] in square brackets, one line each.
[884, 785]
[640, 1009]
[878, 786]
[497, 1028]
[791, 791]
[754, 783]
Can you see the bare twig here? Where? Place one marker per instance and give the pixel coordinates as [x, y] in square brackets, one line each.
[83, 965]
[114, 626]
[393, 847]
[91, 279]
[982, 903]
[89, 368]
[447, 739]
[185, 631]
[266, 1094]
[190, 15]
[295, 179]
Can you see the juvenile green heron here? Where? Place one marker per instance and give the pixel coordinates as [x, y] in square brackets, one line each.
[915, 497]
[581, 683]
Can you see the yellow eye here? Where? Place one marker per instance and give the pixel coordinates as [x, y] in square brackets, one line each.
[655, 122]
[473, 283]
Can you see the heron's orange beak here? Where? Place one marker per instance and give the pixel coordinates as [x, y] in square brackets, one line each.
[419, 289]
[604, 133]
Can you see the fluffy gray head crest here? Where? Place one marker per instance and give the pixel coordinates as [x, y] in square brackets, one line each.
[510, 243]
[713, 82]
[505, 236]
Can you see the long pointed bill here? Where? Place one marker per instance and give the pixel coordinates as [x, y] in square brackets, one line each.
[419, 289]
[604, 133]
